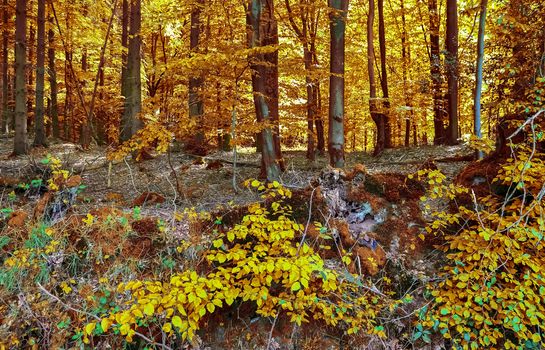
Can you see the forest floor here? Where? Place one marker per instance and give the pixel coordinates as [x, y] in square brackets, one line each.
[206, 184]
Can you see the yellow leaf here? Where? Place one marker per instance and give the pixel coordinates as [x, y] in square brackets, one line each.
[177, 321]
[105, 324]
[149, 309]
[201, 293]
[89, 328]
[295, 287]
[167, 327]
[218, 243]
[210, 307]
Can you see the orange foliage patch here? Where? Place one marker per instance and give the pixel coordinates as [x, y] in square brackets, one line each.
[17, 219]
[148, 198]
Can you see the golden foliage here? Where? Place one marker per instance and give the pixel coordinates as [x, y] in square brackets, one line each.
[491, 293]
[259, 261]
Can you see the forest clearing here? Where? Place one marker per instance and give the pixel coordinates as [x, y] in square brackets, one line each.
[259, 174]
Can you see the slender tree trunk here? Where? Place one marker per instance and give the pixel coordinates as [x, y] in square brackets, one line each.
[406, 60]
[196, 103]
[257, 18]
[20, 142]
[452, 70]
[311, 105]
[5, 78]
[307, 35]
[68, 107]
[53, 106]
[270, 38]
[133, 99]
[385, 110]
[373, 108]
[479, 72]
[125, 45]
[319, 122]
[337, 16]
[30, 72]
[435, 62]
[40, 137]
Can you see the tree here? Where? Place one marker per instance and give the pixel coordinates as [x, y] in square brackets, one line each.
[53, 105]
[259, 19]
[307, 32]
[337, 16]
[385, 105]
[479, 71]
[437, 81]
[20, 142]
[5, 77]
[196, 103]
[39, 127]
[124, 45]
[377, 117]
[407, 91]
[130, 123]
[452, 70]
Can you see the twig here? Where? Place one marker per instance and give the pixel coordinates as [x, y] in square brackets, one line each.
[271, 331]
[178, 187]
[130, 174]
[308, 220]
[528, 121]
[109, 174]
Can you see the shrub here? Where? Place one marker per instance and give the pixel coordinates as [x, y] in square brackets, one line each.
[261, 261]
[491, 291]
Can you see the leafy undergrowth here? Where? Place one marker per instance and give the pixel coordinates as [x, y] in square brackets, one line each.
[110, 278]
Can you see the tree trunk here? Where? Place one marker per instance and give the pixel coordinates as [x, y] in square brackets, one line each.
[385, 110]
[319, 122]
[479, 72]
[30, 72]
[311, 105]
[39, 137]
[258, 19]
[133, 98]
[125, 45]
[68, 107]
[375, 115]
[405, 56]
[20, 142]
[452, 70]
[435, 62]
[337, 16]
[5, 77]
[270, 38]
[195, 101]
[53, 106]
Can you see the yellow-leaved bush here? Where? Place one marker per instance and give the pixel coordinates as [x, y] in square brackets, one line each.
[491, 291]
[262, 261]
